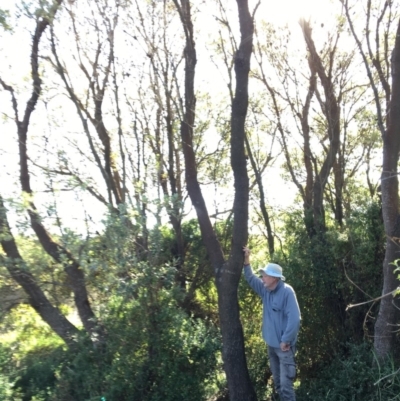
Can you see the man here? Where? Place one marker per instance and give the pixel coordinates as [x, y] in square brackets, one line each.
[280, 323]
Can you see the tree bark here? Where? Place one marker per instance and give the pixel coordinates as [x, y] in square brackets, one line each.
[385, 327]
[227, 273]
[331, 110]
[228, 277]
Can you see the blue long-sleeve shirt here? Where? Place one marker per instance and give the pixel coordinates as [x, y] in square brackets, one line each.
[281, 312]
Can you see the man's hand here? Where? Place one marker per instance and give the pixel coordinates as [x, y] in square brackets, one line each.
[246, 252]
[285, 347]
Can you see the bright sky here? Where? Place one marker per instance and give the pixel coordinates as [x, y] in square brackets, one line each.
[291, 10]
[278, 11]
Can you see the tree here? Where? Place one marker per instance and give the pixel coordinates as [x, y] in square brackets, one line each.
[60, 254]
[257, 155]
[227, 272]
[306, 102]
[380, 68]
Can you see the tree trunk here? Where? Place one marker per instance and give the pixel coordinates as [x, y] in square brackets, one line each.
[385, 327]
[228, 277]
[339, 185]
[331, 110]
[227, 273]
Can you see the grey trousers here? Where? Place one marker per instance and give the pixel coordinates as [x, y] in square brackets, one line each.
[283, 367]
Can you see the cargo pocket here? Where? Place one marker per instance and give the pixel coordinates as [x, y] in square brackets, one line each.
[290, 371]
[290, 366]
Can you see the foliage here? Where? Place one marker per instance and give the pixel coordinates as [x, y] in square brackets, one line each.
[328, 273]
[27, 332]
[6, 385]
[4, 15]
[354, 375]
[177, 362]
[362, 255]
[127, 139]
[154, 351]
[256, 349]
[29, 355]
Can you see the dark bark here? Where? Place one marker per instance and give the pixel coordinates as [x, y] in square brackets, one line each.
[309, 162]
[239, 384]
[37, 299]
[331, 110]
[339, 185]
[385, 327]
[227, 272]
[208, 235]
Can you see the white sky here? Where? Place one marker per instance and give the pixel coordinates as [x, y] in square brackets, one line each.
[290, 11]
[17, 67]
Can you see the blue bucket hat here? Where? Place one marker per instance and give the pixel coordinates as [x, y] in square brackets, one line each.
[273, 270]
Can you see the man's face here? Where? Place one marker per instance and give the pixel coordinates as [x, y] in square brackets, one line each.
[269, 281]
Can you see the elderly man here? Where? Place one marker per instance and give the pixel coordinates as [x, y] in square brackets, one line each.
[280, 323]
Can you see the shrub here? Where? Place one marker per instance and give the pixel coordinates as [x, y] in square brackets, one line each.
[354, 375]
[154, 351]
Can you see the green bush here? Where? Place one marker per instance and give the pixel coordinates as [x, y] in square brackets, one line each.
[7, 371]
[154, 351]
[158, 352]
[36, 379]
[330, 271]
[354, 375]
